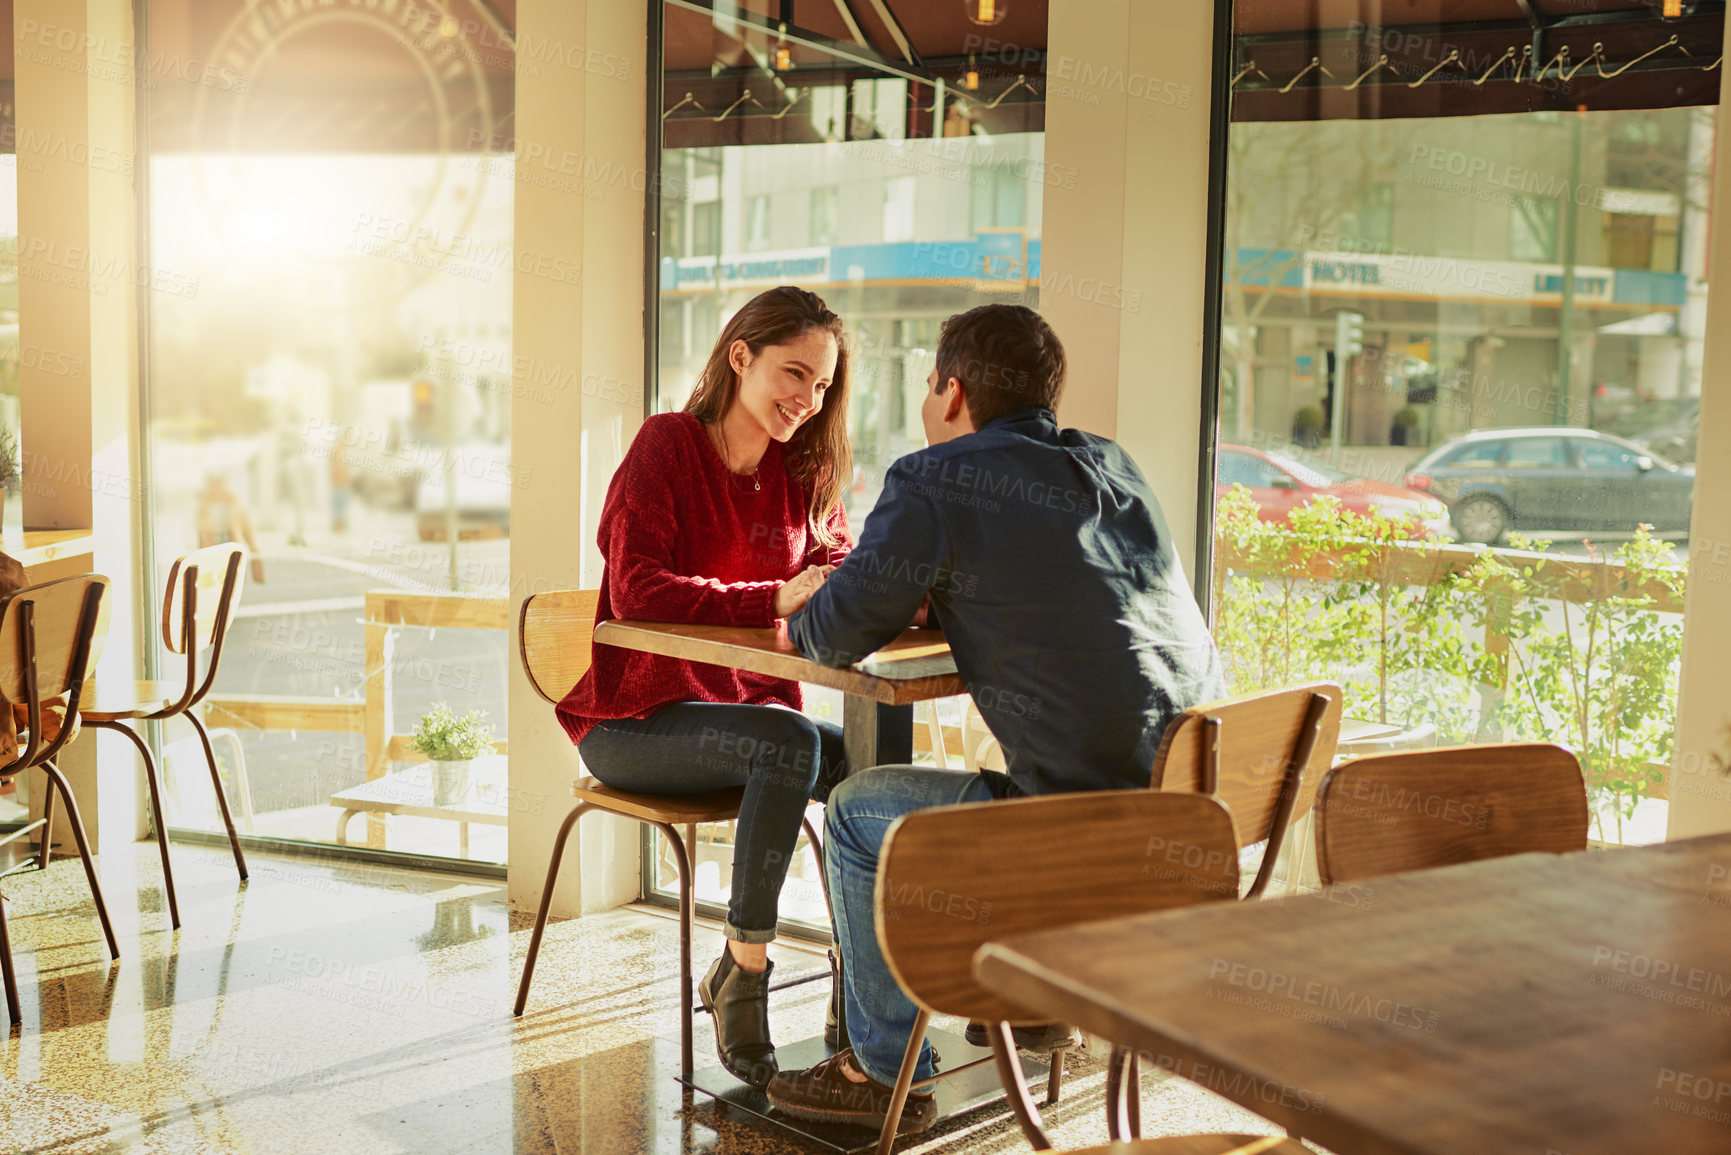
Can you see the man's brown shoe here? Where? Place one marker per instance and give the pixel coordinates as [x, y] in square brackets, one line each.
[827, 1095]
[1041, 1039]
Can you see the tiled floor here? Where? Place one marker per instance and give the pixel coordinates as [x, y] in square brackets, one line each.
[360, 1009]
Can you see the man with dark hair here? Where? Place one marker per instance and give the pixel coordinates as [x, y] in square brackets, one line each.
[1044, 556]
[1005, 356]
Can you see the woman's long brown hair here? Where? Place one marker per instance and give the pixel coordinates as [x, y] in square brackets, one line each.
[819, 453]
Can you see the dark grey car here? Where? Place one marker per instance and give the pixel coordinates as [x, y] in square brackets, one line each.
[1547, 479]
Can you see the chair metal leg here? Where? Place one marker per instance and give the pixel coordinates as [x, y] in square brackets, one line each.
[47, 820]
[1133, 1093]
[546, 902]
[155, 812]
[817, 853]
[687, 919]
[1117, 1114]
[904, 1081]
[65, 788]
[13, 1008]
[1055, 1075]
[221, 794]
[1010, 1074]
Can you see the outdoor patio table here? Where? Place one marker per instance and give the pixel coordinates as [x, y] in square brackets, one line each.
[1577, 1004]
[878, 693]
[410, 792]
[47, 554]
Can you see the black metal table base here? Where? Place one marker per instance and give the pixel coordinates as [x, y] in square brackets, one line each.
[956, 1095]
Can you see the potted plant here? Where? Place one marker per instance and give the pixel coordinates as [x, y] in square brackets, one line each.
[452, 744]
[1405, 428]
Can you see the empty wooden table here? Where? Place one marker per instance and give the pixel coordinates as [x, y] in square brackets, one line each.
[1536, 1004]
[878, 693]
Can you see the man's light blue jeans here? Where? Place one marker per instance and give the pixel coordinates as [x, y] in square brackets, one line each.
[858, 815]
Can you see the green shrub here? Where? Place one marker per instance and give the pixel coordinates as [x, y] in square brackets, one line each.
[1486, 654]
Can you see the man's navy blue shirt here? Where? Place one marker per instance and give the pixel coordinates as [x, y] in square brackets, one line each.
[1051, 570]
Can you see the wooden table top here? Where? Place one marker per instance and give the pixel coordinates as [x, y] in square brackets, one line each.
[44, 545]
[914, 668]
[1571, 1005]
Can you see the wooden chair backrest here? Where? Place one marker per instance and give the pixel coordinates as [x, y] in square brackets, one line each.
[216, 571]
[1257, 734]
[953, 878]
[1425, 808]
[554, 633]
[58, 610]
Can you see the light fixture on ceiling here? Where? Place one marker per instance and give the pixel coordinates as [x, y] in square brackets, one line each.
[783, 55]
[971, 81]
[1673, 9]
[984, 11]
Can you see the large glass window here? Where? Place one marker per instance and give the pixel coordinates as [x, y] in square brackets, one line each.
[14, 801]
[331, 385]
[1440, 242]
[923, 190]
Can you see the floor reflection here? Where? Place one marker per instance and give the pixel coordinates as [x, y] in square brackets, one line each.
[335, 1008]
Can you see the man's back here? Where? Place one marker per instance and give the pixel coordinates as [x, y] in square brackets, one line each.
[1051, 570]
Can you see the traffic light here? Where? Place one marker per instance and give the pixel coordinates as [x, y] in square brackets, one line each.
[422, 414]
[1348, 335]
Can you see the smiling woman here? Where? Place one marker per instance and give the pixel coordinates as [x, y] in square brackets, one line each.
[776, 364]
[728, 513]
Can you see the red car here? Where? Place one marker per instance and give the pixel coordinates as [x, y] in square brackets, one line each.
[1281, 484]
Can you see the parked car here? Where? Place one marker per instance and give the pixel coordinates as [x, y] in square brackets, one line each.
[1553, 479]
[1281, 484]
[1638, 423]
[1674, 441]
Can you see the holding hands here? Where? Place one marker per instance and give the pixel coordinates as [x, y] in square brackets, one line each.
[796, 591]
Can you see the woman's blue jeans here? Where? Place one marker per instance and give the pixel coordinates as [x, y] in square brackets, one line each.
[782, 758]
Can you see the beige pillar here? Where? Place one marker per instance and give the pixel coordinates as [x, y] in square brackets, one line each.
[77, 307]
[1700, 785]
[1123, 263]
[580, 197]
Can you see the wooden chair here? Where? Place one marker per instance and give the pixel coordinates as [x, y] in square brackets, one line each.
[1426, 808]
[204, 589]
[555, 631]
[1112, 861]
[1262, 755]
[50, 636]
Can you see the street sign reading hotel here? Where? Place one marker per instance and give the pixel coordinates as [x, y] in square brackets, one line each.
[1429, 277]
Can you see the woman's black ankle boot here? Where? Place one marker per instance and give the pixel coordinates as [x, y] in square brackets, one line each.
[739, 1000]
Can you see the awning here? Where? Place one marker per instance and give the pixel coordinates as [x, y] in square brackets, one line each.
[767, 72]
[439, 75]
[1388, 59]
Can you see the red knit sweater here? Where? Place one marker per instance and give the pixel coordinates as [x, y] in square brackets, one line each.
[685, 540]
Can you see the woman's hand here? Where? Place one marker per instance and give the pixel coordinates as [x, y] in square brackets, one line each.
[796, 591]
